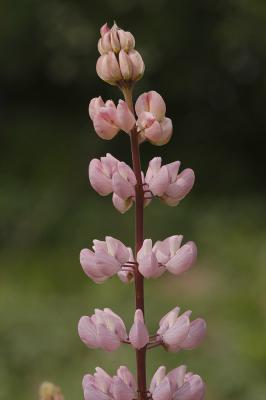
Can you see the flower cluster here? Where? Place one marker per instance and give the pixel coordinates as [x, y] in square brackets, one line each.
[177, 385]
[121, 65]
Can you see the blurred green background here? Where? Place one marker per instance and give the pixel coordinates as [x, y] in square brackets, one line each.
[207, 58]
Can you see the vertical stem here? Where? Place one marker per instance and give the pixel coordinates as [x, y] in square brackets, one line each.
[139, 237]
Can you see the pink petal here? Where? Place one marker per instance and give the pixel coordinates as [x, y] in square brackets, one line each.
[121, 205]
[183, 184]
[142, 104]
[183, 260]
[94, 106]
[157, 378]
[176, 377]
[107, 340]
[121, 391]
[193, 389]
[126, 119]
[156, 105]
[195, 335]
[162, 391]
[160, 182]
[175, 335]
[87, 332]
[99, 181]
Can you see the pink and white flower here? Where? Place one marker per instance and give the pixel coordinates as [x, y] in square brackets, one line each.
[104, 329]
[166, 183]
[105, 260]
[152, 123]
[176, 332]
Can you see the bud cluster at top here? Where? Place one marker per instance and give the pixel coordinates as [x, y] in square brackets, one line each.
[119, 64]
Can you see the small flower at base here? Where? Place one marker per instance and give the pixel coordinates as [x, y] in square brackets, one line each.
[138, 334]
[176, 385]
[104, 329]
[152, 123]
[177, 332]
[105, 260]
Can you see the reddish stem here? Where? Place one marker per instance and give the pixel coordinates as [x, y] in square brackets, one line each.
[139, 237]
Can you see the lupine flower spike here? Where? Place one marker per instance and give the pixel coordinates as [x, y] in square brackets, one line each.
[121, 65]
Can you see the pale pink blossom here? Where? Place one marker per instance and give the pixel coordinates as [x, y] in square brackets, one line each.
[166, 183]
[176, 385]
[104, 329]
[108, 119]
[177, 332]
[138, 334]
[105, 260]
[173, 256]
[101, 386]
[152, 123]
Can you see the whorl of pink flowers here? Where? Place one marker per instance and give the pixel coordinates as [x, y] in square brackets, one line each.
[109, 175]
[121, 65]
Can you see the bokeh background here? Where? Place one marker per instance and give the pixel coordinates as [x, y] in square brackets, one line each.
[207, 58]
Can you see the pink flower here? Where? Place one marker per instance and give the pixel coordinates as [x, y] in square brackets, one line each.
[101, 386]
[166, 183]
[176, 259]
[152, 123]
[177, 332]
[105, 260]
[176, 385]
[138, 334]
[104, 329]
[108, 119]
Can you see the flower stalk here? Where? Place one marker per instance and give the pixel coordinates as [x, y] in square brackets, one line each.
[121, 65]
[139, 238]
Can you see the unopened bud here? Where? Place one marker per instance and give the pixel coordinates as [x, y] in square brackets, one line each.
[49, 391]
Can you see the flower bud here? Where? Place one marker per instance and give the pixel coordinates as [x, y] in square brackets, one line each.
[108, 69]
[138, 334]
[115, 39]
